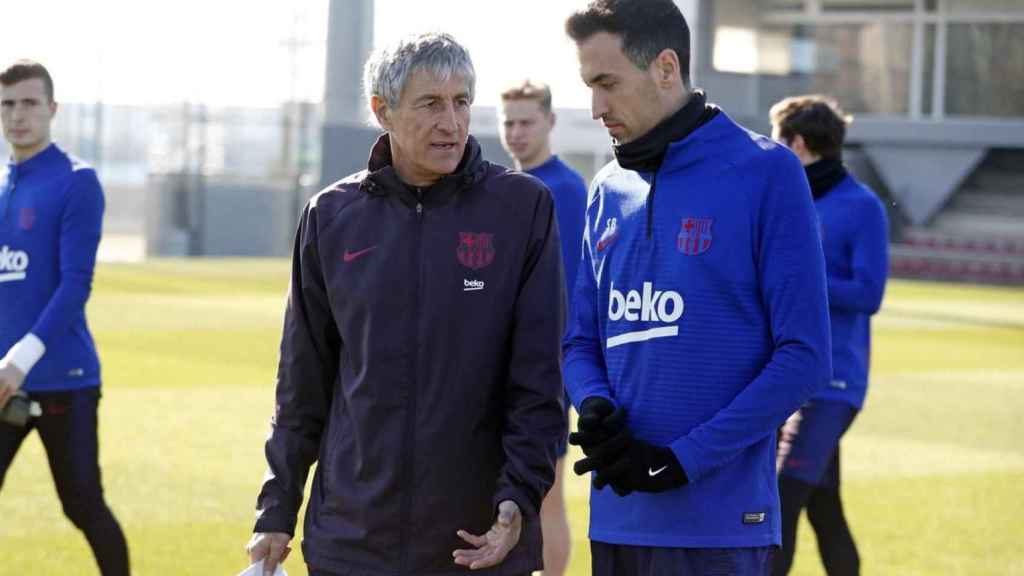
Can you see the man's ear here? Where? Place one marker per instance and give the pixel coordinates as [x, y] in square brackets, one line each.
[381, 111]
[797, 145]
[53, 110]
[666, 68]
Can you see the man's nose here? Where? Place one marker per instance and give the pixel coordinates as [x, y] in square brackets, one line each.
[598, 105]
[449, 120]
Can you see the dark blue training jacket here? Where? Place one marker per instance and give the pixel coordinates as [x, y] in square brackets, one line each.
[420, 367]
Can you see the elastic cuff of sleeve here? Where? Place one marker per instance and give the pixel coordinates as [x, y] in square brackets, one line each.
[526, 507]
[266, 526]
[597, 394]
[268, 521]
[25, 353]
[684, 451]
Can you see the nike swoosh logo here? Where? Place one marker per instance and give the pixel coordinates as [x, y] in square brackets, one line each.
[652, 472]
[604, 242]
[350, 256]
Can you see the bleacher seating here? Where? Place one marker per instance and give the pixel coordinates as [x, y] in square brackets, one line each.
[978, 236]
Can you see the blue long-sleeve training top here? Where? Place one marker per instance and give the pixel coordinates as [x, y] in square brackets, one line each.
[570, 195]
[855, 237]
[709, 333]
[51, 215]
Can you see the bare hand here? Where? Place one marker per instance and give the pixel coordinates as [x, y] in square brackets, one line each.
[491, 548]
[10, 381]
[271, 547]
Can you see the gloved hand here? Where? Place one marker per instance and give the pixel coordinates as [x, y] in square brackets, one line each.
[642, 467]
[601, 433]
[599, 420]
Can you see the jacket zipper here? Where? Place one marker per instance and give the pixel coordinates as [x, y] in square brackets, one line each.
[410, 415]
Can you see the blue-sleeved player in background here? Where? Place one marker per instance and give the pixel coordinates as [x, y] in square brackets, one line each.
[701, 314]
[854, 233]
[526, 120]
[51, 214]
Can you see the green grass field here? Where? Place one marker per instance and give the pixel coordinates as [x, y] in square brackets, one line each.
[933, 468]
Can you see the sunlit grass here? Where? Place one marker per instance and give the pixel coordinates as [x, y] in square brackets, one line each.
[932, 467]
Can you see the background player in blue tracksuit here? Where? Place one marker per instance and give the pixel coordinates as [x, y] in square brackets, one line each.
[526, 121]
[51, 212]
[855, 239]
[701, 317]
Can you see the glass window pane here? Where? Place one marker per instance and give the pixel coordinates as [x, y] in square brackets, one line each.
[984, 5]
[868, 5]
[985, 69]
[866, 66]
[782, 5]
[928, 72]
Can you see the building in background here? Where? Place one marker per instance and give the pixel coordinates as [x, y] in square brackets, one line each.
[937, 90]
[936, 87]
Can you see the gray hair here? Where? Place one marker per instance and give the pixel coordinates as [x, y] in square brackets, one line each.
[390, 67]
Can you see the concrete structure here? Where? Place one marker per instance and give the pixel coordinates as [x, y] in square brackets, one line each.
[936, 86]
[937, 90]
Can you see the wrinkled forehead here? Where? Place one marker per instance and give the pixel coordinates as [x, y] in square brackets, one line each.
[423, 81]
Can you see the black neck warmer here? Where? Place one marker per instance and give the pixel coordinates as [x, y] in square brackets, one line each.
[646, 153]
[824, 174]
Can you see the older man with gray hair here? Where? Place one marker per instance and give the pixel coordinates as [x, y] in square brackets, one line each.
[420, 357]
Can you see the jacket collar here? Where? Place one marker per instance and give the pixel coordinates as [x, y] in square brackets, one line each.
[41, 159]
[383, 180]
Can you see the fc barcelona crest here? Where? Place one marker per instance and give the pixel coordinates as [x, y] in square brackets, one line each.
[476, 249]
[694, 236]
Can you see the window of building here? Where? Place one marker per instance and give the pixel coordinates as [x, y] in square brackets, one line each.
[887, 57]
[782, 5]
[984, 6]
[868, 5]
[985, 69]
[928, 70]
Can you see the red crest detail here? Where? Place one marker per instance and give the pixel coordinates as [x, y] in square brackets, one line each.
[694, 236]
[476, 249]
[27, 218]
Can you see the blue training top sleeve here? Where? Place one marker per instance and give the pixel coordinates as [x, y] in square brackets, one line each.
[585, 373]
[869, 265]
[80, 229]
[791, 267]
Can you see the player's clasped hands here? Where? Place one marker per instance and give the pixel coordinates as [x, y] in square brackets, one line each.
[619, 459]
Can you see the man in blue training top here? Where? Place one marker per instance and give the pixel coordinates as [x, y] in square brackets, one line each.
[854, 234]
[526, 121]
[701, 314]
[51, 212]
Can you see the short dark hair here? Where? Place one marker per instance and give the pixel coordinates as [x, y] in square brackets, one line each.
[646, 27]
[25, 70]
[816, 118]
[528, 89]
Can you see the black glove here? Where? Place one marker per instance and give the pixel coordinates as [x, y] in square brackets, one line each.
[601, 433]
[642, 467]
